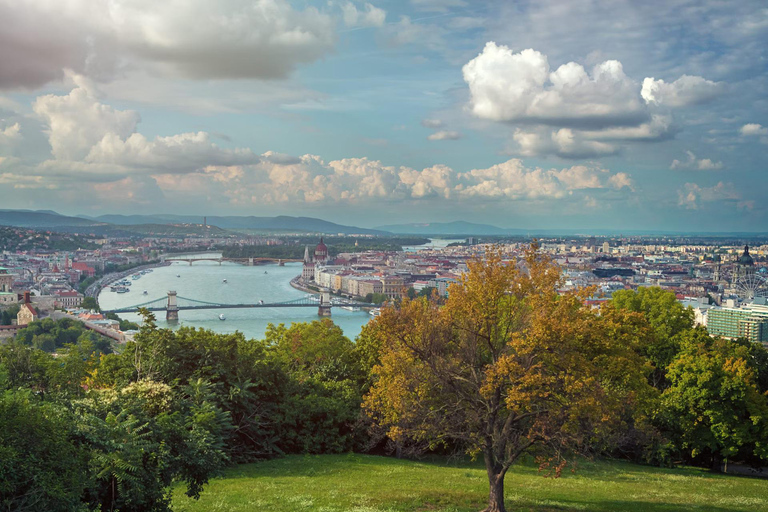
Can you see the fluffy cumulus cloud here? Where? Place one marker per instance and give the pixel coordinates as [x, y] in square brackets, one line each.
[77, 121]
[368, 16]
[201, 39]
[97, 149]
[685, 91]
[565, 143]
[84, 132]
[755, 130]
[698, 164]
[509, 86]
[694, 197]
[364, 181]
[572, 112]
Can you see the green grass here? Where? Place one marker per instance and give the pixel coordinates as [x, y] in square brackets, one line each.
[364, 483]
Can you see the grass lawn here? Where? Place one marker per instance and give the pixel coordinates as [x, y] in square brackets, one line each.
[365, 483]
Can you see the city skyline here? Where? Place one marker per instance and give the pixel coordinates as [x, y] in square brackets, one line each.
[541, 115]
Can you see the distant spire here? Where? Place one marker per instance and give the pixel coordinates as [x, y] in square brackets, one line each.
[306, 254]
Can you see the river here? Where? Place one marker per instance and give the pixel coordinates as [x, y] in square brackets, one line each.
[204, 281]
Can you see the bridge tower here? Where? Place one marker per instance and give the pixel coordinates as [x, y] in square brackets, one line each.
[324, 309]
[171, 308]
[250, 261]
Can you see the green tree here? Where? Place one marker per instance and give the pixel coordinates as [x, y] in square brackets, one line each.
[322, 403]
[506, 367]
[247, 383]
[668, 320]
[146, 436]
[90, 303]
[41, 467]
[427, 291]
[376, 298]
[714, 399]
[8, 315]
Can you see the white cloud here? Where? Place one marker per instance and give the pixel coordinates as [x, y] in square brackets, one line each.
[565, 143]
[508, 86]
[11, 132]
[371, 16]
[184, 152]
[694, 197]
[82, 130]
[700, 164]
[660, 127]
[753, 129]
[77, 121]
[201, 39]
[360, 180]
[686, 90]
[444, 135]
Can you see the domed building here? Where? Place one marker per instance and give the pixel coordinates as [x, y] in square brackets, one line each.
[321, 252]
[745, 265]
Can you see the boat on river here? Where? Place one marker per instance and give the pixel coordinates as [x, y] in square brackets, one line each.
[222, 317]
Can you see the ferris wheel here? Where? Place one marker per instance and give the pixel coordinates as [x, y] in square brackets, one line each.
[751, 285]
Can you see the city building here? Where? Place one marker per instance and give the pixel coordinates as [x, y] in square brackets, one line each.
[68, 299]
[6, 280]
[308, 268]
[749, 321]
[321, 253]
[27, 313]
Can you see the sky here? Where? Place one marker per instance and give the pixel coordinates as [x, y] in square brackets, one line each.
[577, 114]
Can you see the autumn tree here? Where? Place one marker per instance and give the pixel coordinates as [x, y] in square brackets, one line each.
[506, 367]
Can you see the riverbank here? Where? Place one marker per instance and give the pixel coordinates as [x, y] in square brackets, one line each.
[298, 286]
[95, 288]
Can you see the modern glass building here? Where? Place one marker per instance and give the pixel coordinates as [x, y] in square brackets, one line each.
[750, 322]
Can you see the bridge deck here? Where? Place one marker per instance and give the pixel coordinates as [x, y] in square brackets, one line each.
[133, 309]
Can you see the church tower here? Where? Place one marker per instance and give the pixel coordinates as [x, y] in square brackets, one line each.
[308, 269]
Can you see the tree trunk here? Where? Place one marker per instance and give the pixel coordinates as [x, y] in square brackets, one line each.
[496, 485]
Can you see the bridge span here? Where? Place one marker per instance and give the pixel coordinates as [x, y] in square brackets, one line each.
[249, 262]
[173, 303]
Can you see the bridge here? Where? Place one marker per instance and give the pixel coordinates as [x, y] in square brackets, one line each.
[173, 303]
[244, 261]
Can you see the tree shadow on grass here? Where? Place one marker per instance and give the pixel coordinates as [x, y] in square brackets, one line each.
[612, 506]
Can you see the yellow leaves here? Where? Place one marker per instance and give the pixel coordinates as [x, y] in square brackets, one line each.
[504, 347]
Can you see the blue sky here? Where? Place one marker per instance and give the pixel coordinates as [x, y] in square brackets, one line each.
[546, 114]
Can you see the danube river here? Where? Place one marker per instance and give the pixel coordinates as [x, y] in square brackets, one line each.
[204, 281]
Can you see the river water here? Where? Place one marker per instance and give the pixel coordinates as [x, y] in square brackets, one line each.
[204, 281]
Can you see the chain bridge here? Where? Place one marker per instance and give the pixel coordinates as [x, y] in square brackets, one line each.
[249, 262]
[174, 303]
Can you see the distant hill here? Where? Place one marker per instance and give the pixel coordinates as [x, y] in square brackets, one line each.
[41, 219]
[445, 228]
[279, 223]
